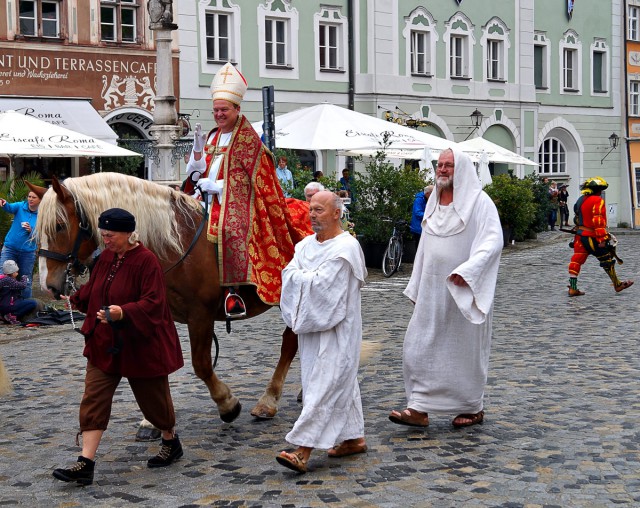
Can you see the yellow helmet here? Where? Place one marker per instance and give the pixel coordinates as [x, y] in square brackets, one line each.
[593, 184]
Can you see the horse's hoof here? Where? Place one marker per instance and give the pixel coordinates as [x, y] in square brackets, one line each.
[231, 415]
[147, 434]
[263, 412]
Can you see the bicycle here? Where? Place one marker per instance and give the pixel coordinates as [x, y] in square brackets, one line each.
[393, 254]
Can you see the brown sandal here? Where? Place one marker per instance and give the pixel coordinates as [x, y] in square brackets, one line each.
[410, 417]
[293, 461]
[348, 447]
[475, 419]
[623, 285]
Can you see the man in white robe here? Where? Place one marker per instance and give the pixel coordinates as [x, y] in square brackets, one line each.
[447, 344]
[321, 303]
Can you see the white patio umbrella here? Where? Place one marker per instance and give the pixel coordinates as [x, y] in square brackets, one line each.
[330, 127]
[483, 169]
[475, 147]
[25, 136]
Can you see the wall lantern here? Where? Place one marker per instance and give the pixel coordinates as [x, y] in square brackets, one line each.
[476, 120]
[614, 140]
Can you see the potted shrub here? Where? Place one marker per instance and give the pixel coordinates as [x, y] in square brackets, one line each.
[383, 191]
[543, 205]
[514, 200]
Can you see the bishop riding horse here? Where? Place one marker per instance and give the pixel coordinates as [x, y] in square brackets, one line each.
[170, 224]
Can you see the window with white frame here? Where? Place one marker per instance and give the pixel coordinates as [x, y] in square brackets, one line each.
[459, 40]
[552, 157]
[420, 55]
[119, 21]
[495, 48]
[494, 65]
[278, 29]
[458, 57]
[40, 18]
[634, 98]
[421, 37]
[217, 36]
[599, 67]
[570, 63]
[569, 68]
[276, 42]
[219, 32]
[330, 31]
[541, 65]
[633, 27]
[328, 47]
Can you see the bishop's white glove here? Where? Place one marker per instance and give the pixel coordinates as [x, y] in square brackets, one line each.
[210, 186]
[199, 139]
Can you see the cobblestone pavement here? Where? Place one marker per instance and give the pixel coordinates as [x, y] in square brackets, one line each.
[561, 427]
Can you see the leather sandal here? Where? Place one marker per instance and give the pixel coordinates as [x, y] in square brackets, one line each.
[348, 447]
[576, 292]
[623, 285]
[410, 417]
[293, 461]
[474, 419]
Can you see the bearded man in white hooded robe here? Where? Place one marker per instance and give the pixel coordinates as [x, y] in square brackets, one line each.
[448, 340]
[321, 302]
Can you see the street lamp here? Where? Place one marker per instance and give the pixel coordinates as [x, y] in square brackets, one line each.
[614, 139]
[476, 120]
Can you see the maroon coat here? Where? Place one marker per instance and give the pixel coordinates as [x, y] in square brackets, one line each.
[150, 343]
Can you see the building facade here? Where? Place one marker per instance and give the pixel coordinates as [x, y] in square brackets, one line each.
[79, 64]
[546, 75]
[632, 88]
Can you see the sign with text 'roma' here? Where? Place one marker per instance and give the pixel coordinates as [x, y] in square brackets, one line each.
[25, 136]
[112, 79]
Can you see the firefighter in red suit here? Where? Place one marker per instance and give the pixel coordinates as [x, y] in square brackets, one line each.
[592, 236]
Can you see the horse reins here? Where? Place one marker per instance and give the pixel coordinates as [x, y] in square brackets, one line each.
[205, 214]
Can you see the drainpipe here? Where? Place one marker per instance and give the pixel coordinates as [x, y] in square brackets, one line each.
[351, 63]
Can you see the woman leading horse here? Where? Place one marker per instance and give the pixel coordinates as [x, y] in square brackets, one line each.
[168, 222]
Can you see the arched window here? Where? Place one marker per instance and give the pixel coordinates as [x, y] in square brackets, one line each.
[552, 157]
[459, 42]
[495, 50]
[421, 37]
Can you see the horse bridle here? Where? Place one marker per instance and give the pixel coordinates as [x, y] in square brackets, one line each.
[85, 232]
[73, 263]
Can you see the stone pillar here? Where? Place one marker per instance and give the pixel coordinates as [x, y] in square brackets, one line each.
[164, 131]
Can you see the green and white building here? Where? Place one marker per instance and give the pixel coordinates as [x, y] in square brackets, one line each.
[547, 81]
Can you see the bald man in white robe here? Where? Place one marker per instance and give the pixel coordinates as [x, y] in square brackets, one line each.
[448, 340]
[321, 302]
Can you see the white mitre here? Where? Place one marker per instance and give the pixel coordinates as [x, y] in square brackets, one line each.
[228, 84]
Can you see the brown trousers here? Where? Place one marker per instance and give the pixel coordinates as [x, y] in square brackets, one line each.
[152, 395]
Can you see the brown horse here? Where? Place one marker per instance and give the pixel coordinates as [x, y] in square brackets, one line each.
[168, 223]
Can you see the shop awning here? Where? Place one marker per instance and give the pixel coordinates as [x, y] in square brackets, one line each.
[74, 114]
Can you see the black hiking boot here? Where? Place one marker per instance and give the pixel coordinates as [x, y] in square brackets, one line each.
[170, 451]
[81, 472]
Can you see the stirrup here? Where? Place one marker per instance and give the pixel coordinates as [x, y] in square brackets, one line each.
[234, 306]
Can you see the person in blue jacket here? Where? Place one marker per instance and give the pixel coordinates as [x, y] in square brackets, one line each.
[419, 204]
[19, 243]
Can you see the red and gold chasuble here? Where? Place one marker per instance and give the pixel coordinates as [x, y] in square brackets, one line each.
[252, 226]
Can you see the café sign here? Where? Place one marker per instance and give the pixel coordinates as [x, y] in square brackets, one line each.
[111, 79]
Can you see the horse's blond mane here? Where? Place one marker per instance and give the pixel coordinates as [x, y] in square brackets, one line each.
[150, 203]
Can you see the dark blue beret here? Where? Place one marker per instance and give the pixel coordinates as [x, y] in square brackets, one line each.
[117, 219]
